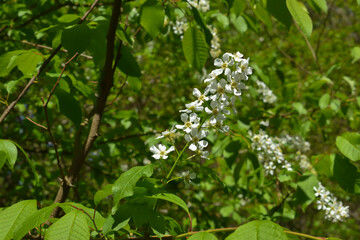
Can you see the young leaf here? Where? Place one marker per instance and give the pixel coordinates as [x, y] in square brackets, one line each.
[171, 198]
[349, 145]
[13, 216]
[195, 48]
[33, 221]
[355, 53]
[152, 17]
[300, 15]
[8, 152]
[103, 193]
[124, 185]
[322, 5]
[69, 106]
[72, 226]
[262, 14]
[258, 230]
[239, 23]
[324, 101]
[203, 236]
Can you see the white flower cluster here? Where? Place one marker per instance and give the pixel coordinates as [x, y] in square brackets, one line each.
[215, 50]
[201, 5]
[179, 27]
[269, 151]
[267, 96]
[224, 85]
[334, 210]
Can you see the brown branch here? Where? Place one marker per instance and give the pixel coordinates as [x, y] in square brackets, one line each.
[42, 68]
[106, 83]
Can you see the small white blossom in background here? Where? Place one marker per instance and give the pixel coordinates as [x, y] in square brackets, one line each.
[269, 151]
[160, 151]
[215, 50]
[266, 95]
[201, 5]
[168, 134]
[335, 211]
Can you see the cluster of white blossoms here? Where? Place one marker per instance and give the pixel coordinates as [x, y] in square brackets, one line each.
[334, 210]
[266, 94]
[269, 152]
[201, 5]
[224, 85]
[215, 50]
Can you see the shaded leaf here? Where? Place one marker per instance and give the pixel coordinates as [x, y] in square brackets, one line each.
[346, 174]
[152, 17]
[278, 9]
[69, 106]
[322, 5]
[76, 38]
[171, 198]
[128, 64]
[195, 48]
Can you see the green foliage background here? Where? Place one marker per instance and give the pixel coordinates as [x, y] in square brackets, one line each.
[312, 68]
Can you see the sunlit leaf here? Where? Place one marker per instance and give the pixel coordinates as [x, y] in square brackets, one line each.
[300, 15]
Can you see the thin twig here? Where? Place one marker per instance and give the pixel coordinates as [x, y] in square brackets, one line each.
[308, 44]
[37, 124]
[28, 85]
[50, 48]
[118, 94]
[45, 104]
[323, 28]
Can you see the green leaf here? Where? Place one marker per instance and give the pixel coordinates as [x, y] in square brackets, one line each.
[355, 53]
[278, 9]
[238, 7]
[68, 18]
[152, 17]
[202, 23]
[299, 107]
[5, 67]
[203, 236]
[76, 38]
[258, 230]
[69, 106]
[195, 48]
[72, 226]
[26, 62]
[124, 185]
[171, 198]
[300, 15]
[33, 221]
[127, 63]
[324, 101]
[9, 153]
[13, 216]
[322, 5]
[262, 14]
[239, 23]
[99, 219]
[349, 145]
[346, 174]
[352, 84]
[103, 193]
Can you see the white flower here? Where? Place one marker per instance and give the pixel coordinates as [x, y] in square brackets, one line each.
[193, 106]
[269, 168]
[238, 56]
[218, 108]
[243, 68]
[201, 97]
[169, 134]
[195, 137]
[218, 89]
[189, 122]
[160, 151]
[224, 63]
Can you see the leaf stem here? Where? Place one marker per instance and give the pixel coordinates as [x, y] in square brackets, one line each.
[175, 163]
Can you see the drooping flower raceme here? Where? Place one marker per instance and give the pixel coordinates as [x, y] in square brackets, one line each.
[335, 211]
